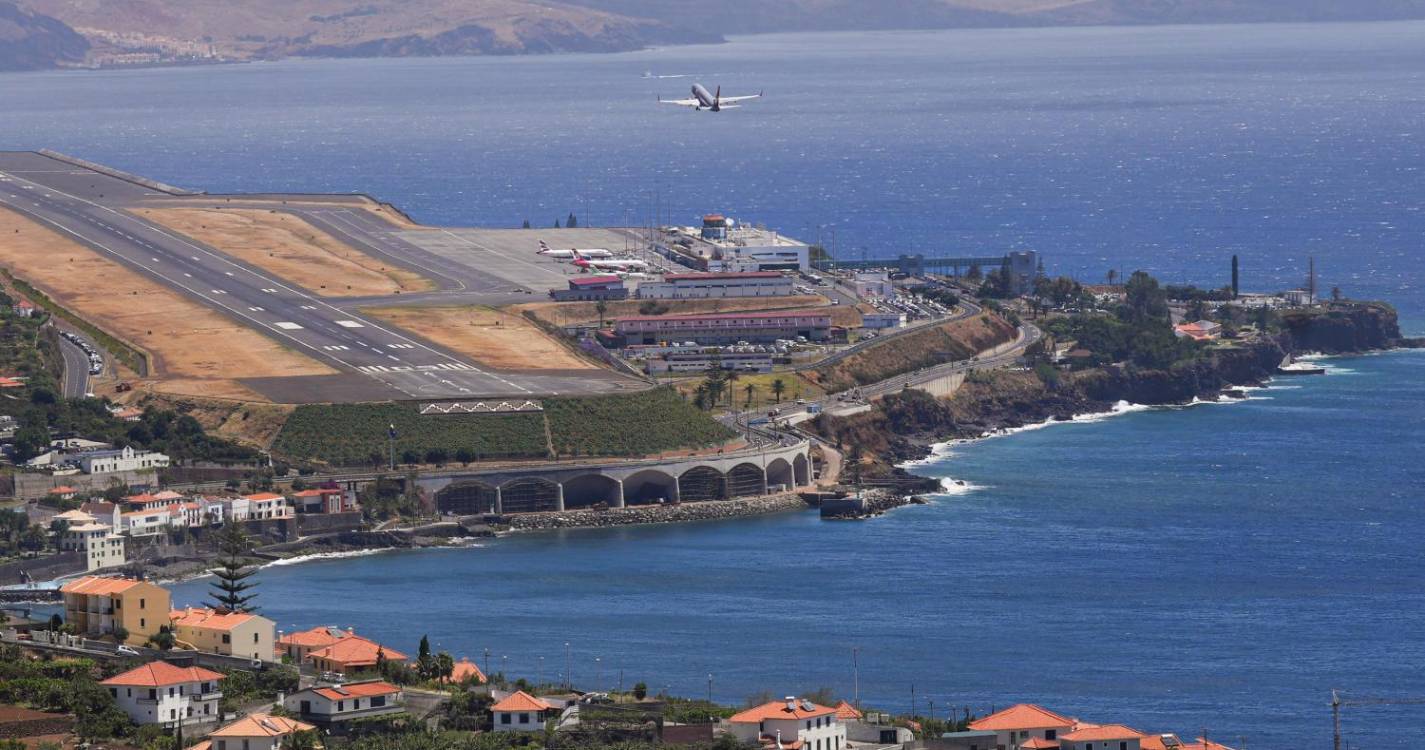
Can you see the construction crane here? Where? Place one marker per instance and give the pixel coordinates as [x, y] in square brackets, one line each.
[1337, 702]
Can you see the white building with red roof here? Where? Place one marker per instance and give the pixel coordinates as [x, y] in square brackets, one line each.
[520, 712]
[1018, 724]
[333, 704]
[160, 693]
[267, 505]
[1102, 737]
[253, 732]
[792, 724]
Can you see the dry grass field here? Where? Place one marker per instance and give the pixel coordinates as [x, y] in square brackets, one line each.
[571, 313]
[292, 249]
[494, 338]
[193, 349]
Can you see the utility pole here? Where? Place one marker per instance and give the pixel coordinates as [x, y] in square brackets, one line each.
[856, 676]
[391, 435]
[487, 665]
[568, 667]
[912, 699]
[709, 688]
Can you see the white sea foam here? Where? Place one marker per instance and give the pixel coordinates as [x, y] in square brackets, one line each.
[325, 556]
[949, 486]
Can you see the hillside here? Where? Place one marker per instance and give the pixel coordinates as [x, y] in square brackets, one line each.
[31, 41]
[169, 31]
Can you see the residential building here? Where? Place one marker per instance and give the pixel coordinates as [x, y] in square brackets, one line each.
[256, 731]
[324, 500]
[466, 670]
[160, 693]
[64, 492]
[520, 712]
[267, 505]
[716, 285]
[296, 646]
[241, 634]
[725, 328]
[103, 512]
[1104, 737]
[236, 508]
[352, 654]
[1202, 330]
[188, 513]
[145, 522]
[101, 547]
[146, 501]
[604, 286]
[25, 309]
[791, 724]
[121, 459]
[1020, 723]
[96, 606]
[336, 704]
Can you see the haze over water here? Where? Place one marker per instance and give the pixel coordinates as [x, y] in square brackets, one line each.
[1220, 566]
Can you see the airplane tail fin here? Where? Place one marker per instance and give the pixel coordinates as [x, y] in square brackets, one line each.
[717, 97]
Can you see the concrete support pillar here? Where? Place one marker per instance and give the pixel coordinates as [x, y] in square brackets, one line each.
[764, 479]
[618, 495]
[559, 499]
[677, 490]
[499, 501]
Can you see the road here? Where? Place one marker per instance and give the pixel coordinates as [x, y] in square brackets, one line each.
[76, 369]
[377, 362]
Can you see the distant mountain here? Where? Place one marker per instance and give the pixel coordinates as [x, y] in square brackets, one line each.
[31, 41]
[167, 31]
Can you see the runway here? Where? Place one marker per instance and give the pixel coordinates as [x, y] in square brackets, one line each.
[377, 362]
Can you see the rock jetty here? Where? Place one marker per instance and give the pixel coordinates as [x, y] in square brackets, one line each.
[704, 511]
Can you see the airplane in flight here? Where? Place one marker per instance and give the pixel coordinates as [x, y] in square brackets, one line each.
[715, 102]
[572, 253]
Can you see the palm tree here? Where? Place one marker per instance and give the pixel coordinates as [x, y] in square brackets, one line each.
[778, 388]
[602, 307]
[750, 388]
[1112, 274]
[730, 377]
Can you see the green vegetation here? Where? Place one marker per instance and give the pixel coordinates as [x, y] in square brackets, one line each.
[623, 425]
[1139, 331]
[633, 424]
[242, 687]
[231, 589]
[63, 686]
[357, 434]
[908, 352]
[135, 360]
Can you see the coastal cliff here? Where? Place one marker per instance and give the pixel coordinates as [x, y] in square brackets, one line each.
[904, 425]
[31, 41]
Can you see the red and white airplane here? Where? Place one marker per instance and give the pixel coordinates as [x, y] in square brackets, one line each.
[572, 253]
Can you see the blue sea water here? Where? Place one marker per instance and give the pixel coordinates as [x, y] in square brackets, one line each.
[1221, 566]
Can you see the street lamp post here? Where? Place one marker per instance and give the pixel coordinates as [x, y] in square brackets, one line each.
[568, 667]
[539, 675]
[487, 665]
[709, 688]
[856, 675]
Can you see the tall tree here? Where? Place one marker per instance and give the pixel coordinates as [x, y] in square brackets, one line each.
[573, 221]
[232, 592]
[1112, 276]
[778, 388]
[751, 390]
[1234, 277]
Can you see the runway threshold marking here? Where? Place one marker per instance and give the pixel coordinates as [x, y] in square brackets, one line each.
[288, 326]
[349, 324]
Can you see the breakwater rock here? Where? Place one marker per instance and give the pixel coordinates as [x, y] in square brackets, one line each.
[704, 511]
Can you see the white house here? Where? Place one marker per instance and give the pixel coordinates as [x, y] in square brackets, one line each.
[266, 505]
[792, 724]
[1018, 724]
[255, 731]
[101, 547]
[160, 693]
[1105, 737]
[338, 703]
[520, 712]
[122, 459]
[145, 522]
[236, 508]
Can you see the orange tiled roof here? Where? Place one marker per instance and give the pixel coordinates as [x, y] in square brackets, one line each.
[98, 585]
[63, 489]
[521, 701]
[264, 496]
[357, 690]
[262, 725]
[1021, 716]
[161, 674]
[204, 745]
[319, 492]
[1154, 742]
[779, 710]
[353, 650]
[847, 712]
[1039, 743]
[316, 637]
[1105, 732]
[208, 618]
[465, 669]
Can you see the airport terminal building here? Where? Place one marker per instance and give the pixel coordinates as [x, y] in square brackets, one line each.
[721, 244]
[724, 328]
[711, 285]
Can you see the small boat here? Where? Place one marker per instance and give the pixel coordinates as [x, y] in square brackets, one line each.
[1288, 367]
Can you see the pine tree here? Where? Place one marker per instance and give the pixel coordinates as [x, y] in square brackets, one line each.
[230, 591]
[572, 222]
[425, 663]
[526, 224]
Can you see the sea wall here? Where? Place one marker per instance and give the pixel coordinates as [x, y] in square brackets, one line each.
[640, 514]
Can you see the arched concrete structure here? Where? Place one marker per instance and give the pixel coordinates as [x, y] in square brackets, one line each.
[649, 486]
[801, 470]
[587, 490]
[467, 498]
[531, 494]
[779, 472]
[746, 480]
[702, 483]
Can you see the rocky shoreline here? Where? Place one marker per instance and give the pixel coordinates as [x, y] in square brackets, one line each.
[651, 514]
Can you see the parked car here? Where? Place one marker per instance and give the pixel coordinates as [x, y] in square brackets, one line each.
[126, 650]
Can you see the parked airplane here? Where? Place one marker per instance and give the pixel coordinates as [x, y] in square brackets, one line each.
[713, 102]
[572, 253]
[608, 265]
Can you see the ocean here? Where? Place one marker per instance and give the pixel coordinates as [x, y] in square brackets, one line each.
[1217, 566]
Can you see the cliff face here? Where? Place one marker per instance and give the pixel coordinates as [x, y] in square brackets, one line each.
[1343, 328]
[30, 41]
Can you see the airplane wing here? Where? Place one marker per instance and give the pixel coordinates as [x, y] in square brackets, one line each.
[730, 99]
[681, 102]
